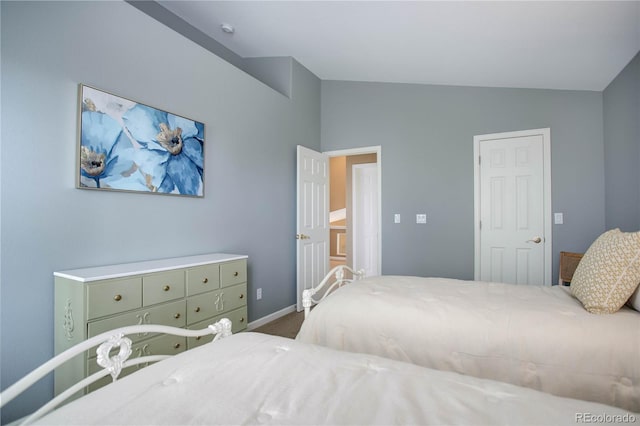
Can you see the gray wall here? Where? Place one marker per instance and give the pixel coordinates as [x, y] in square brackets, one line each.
[426, 133]
[48, 225]
[274, 72]
[622, 149]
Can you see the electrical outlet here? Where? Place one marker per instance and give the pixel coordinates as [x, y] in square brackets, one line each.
[421, 218]
[259, 294]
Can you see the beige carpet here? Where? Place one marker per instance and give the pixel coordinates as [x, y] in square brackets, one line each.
[286, 326]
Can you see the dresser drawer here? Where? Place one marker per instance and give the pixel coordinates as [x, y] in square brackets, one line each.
[161, 345]
[203, 306]
[194, 342]
[234, 297]
[232, 273]
[202, 278]
[161, 287]
[172, 314]
[238, 320]
[113, 296]
[214, 303]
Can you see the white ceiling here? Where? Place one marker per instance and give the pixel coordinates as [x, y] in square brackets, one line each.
[537, 44]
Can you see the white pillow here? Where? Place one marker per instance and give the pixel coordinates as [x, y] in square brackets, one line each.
[634, 300]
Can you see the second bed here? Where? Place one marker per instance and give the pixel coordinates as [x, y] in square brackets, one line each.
[533, 336]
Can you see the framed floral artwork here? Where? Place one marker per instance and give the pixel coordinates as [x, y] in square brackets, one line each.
[128, 146]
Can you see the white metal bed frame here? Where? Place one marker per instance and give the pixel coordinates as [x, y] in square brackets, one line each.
[339, 273]
[113, 365]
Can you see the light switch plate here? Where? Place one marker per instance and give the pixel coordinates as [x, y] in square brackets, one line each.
[558, 218]
[396, 218]
[421, 218]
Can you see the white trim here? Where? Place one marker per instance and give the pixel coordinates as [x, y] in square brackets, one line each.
[337, 215]
[368, 150]
[355, 151]
[340, 240]
[271, 317]
[546, 135]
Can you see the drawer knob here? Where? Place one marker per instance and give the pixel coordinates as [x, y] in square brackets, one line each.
[242, 319]
[199, 337]
[241, 296]
[166, 288]
[176, 316]
[197, 309]
[117, 297]
[205, 280]
[235, 274]
[176, 346]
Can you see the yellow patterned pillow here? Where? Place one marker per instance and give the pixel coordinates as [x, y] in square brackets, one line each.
[609, 272]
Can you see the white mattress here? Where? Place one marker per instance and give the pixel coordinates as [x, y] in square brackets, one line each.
[253, 378]
[538, 337]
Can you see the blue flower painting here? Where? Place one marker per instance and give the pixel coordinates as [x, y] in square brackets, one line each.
[129, 146]
[102, 138]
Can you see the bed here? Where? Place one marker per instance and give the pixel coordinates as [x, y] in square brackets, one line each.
[253, 378]
[540, 337]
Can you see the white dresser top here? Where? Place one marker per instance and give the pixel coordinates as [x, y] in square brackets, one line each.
[147, 267]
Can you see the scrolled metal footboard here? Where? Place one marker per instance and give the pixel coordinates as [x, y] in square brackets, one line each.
[339, 274]
[111, 364]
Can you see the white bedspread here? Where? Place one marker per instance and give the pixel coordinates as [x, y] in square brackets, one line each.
[253, 378]
[538, 337]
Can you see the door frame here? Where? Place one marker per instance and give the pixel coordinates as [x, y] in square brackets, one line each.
[368, 150]
[546, 143]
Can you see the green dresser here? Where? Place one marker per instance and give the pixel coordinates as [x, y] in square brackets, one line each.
[190, 292]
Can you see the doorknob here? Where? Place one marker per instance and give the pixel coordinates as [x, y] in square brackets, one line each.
[302, 237]
[536, 240]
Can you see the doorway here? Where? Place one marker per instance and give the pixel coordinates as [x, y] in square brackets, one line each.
[355, 209]
[323, 232]
[513, 207]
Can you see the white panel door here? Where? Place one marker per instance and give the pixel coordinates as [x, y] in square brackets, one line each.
[513, 220]
[365, 218]
[312, 235]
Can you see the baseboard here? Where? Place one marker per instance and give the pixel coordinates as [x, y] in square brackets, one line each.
[271, 317]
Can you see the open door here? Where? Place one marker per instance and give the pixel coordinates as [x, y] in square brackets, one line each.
[365, 220]
[312, 228]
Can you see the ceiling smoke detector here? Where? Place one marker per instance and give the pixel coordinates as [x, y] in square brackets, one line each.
[227, 28]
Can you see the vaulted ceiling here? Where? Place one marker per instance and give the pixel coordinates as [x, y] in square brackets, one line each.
[537, 44]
